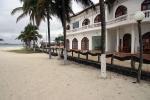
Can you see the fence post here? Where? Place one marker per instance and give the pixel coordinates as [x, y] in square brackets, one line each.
[78, 55]
[132, 63]
[98, 58]
[87, 56]
[112, 59]
[72, 53]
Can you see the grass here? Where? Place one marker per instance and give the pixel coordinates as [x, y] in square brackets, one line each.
[24, 51]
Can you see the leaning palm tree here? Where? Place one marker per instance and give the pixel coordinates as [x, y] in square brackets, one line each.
[36, 13]
[44, 7]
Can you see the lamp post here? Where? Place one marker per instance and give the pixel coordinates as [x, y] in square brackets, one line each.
[139, 16]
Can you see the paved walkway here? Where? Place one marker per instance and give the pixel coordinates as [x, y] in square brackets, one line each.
[35, 77]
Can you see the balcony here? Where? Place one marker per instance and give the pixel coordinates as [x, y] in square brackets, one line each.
[122, 20]
[92, 26]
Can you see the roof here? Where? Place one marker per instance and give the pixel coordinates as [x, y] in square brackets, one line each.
[84, 10]
[109, 2]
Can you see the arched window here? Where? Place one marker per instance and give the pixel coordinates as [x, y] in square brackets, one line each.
[146, 43]
[145, 5]
[97, 19]
[86, 22]
[67, 44]
[68, 27]
[85, 44]
[127, 43]
[74, 43]
[121, 10]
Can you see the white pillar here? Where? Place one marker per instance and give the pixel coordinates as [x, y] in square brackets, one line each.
[106, 41]
[70, 40]
[117, 44]
[79, 43]
[132, 40]
[90, 42]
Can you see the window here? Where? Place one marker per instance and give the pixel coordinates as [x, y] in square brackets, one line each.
[74, 43]
[76, 25]
[68, 27]
[121, 10]
[97, 19]
[145, 5]
[86, 22]
[85, 44]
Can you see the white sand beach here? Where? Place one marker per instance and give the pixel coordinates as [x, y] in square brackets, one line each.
[35, 77]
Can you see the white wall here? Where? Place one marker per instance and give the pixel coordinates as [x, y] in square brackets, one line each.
[80, 36]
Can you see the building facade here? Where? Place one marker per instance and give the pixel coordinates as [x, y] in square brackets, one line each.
[84, 29]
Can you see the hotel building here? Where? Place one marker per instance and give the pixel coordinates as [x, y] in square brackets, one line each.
[84, 29]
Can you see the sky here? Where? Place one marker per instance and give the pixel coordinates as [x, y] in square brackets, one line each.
[9, 29]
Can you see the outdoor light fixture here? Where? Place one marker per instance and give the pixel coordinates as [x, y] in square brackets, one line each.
[139, 16]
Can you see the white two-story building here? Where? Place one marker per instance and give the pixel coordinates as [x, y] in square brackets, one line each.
[84, 29]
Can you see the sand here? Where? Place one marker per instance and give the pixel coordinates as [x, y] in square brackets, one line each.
[35, 77]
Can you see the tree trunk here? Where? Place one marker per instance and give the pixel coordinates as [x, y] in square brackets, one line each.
[103, 32]
[48, 26]
[64, 30]
[34, 45]
[141, 53]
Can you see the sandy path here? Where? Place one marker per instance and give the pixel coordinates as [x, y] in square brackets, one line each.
[35, 77]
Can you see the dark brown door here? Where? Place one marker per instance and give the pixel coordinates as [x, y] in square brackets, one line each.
[146, 43]
[85, 44]
[127, 43]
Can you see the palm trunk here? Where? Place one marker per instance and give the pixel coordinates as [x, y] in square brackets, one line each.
[103, 32]
[64, 30]
[34, 45]
[141, 53]
[49, 40]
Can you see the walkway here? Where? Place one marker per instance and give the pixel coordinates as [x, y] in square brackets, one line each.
[35, 77]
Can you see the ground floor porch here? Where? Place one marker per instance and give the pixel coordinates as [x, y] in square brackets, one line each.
[119, 39]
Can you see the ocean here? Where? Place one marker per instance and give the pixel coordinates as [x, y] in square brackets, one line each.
[10, 45]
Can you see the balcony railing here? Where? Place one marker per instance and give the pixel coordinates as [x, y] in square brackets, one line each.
[147, 13]
[85, 27]
[129, 18]
[118, 19]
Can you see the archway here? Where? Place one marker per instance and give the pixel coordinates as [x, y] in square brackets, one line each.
[146, 43]
[67, 44]
[74, 43]
[145, 5]
[85, 44]
[97, 19]
[127, 43]
[121, 10]
[86, 22]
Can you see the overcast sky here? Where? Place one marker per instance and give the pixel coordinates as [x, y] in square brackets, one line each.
[9, 29]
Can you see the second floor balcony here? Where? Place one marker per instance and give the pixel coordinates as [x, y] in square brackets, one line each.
[119, 21]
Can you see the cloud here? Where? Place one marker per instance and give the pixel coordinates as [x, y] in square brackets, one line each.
[9, 29]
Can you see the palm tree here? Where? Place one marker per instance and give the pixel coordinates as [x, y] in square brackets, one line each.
[44, 6]
[29, 34]
[103, 35]
[29, 7]
[63, 13]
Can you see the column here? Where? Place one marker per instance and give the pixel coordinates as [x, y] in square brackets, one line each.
[90, 42]
[70, 40]
[106, 41]
[117, 44]
[132, 39]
